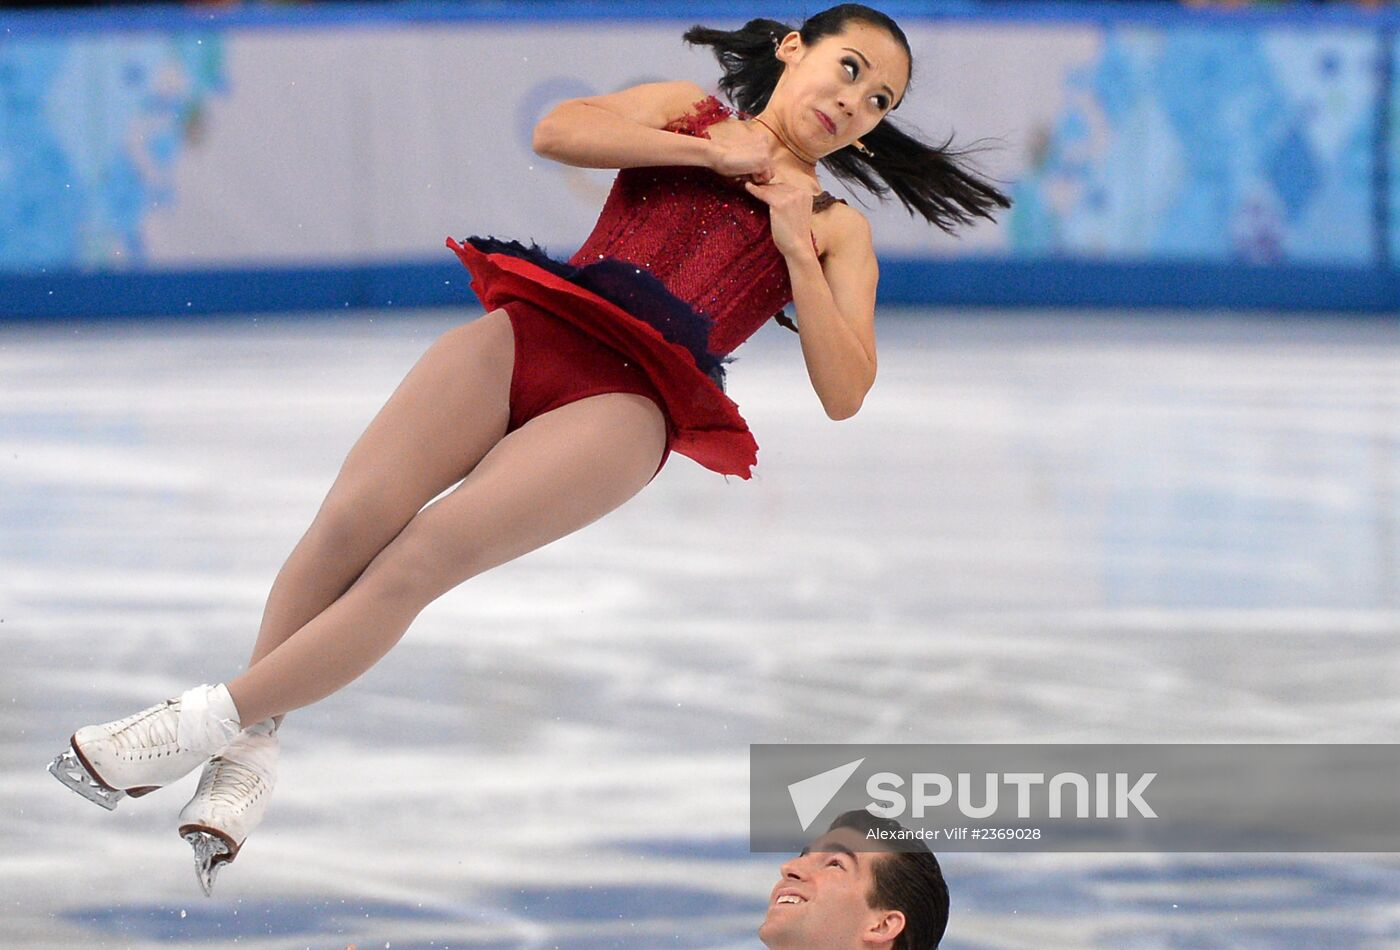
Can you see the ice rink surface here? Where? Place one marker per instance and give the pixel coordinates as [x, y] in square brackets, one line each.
[1042, 527]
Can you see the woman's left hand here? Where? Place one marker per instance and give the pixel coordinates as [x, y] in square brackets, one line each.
[790, 213]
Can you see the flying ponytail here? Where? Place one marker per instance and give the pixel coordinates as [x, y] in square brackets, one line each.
[929, 180]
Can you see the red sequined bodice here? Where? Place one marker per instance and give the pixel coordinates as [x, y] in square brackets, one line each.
[680, 269]
[701, 234]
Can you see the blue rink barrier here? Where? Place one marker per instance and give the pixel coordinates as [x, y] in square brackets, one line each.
[904, 281]
[1311, 225]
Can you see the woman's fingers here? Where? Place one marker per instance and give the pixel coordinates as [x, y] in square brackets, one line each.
[771, 192]
[758, 191]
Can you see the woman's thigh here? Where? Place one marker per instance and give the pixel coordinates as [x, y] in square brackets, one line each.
[556, 474]
[443, 418]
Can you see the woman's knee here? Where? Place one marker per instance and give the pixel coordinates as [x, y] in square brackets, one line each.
[415, 569]
[355, 521]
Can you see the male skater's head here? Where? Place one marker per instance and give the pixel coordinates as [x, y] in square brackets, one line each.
[839, 894]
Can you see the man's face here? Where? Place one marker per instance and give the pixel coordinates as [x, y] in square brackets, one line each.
[819, 902]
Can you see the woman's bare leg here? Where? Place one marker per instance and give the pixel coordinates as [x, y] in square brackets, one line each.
[554, 475]
[448, 412]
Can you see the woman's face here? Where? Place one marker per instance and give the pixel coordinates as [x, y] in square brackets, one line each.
[840, 87]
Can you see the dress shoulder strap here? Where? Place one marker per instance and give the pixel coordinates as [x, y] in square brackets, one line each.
[703, 114]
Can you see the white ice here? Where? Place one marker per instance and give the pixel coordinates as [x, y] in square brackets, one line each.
[1044, 527]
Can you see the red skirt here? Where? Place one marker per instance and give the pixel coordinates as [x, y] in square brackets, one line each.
[703, 422]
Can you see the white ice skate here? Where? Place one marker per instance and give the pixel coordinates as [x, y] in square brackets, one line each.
[231, 800]
[143, 752]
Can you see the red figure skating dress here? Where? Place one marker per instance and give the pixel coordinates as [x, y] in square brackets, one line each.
[680, 269]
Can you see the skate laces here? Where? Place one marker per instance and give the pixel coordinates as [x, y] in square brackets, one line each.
[147, 730]
[232, 783]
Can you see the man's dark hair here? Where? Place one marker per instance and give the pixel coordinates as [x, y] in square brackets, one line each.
[909, 881]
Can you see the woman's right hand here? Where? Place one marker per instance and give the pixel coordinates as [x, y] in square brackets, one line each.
[744, 155]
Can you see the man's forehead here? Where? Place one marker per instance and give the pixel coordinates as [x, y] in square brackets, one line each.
[840, 839]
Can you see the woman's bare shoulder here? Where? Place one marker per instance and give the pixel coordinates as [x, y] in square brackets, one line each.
[843, 228]
[655, 104]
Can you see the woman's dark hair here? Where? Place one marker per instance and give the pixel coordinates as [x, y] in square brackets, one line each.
[909, 881]
[927, 179]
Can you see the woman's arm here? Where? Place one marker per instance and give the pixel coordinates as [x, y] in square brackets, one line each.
[834, 296]
[835, 304]
[624, 129]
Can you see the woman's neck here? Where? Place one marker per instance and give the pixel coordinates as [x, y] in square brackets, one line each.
[776, 129]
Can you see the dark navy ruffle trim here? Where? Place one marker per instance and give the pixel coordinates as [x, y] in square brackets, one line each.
[631, 288]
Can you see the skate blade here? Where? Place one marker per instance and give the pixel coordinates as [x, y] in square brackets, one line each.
[69, 770]
[210, 853]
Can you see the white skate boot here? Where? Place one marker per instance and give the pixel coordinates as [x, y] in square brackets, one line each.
[139, 754]
[231, 800]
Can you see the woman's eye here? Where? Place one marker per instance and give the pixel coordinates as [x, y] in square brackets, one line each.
[880, 102]
[851, 65]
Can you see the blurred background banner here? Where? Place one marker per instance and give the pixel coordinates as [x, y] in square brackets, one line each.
[169, 160]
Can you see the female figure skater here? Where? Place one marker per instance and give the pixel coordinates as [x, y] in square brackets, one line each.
[569, 394]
